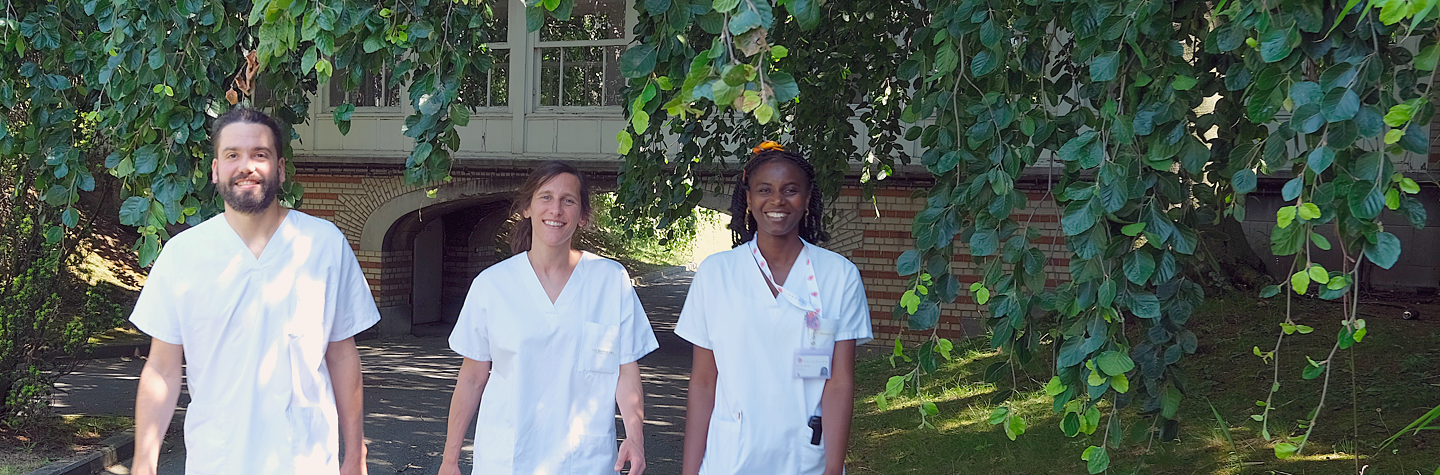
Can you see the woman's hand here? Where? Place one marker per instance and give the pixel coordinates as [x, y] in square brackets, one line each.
[633, 452]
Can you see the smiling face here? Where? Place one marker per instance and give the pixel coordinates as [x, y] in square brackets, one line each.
[247, 169]
[778, 196]
[555, 212]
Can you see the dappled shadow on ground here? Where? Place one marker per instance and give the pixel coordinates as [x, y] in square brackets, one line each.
[666, 373]
[407, 398]
[408, 384]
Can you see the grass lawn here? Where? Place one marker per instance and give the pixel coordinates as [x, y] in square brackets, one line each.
[68, 436]
[1396, 379]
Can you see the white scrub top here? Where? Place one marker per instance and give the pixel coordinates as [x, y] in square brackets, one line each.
[549, 405]
[255, 331]
[759, 424]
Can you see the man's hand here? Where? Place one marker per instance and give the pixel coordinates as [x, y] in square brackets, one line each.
[450, 468]
[633, 452]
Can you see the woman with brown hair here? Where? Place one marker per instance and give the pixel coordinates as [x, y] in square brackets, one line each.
[550, 339]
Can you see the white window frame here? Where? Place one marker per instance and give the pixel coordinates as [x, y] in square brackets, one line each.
[533, 69]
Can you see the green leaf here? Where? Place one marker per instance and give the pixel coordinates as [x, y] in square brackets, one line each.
[70, 218]
[147, 158]
[983, 63]
[1077, 221]
[1275, 45]
[1300, 282]
[1392, 199]
[1105, 66]
[1366, 200]
[1243, 181]
[997, 415]
[459, 114]
[1385, 251]
[1305, 92]
[1139, 266]
[1320, 241]
[1097, 460]
[784, 86]
[1320, 159]
[1070, 424]
[1318, 274]
[1075, 148]
[1114, 363]
[1267, 292]
[984, 243]
[1054, 387]
[626, 142]
[1393, 136]
[1133, 230]
[908, 263]
[927, 314]
[1409, 186]
[640, 120]
[1145, 306]
[638, 61]
[1399, 114]
[982, 296]
[1427, 58]
[1014, 427]
[1313, 370]
[1183, 83]
[1105, 295]
[1285, 450]
[1308, 211]
[149, 249]
[1120, 383]
[724, 6]
[1340, 104]
[1170, 402]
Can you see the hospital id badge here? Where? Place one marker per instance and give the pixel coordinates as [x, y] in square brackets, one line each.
[812, 364]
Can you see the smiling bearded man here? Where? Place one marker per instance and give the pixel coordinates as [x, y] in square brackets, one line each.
[261, 303]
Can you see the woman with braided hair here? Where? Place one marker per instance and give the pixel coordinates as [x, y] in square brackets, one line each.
[775, 322]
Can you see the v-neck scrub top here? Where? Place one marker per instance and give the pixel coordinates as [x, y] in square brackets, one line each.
[549, 405]
[254, 332]
[759, 424]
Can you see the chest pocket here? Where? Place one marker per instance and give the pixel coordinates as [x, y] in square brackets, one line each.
[600, 349]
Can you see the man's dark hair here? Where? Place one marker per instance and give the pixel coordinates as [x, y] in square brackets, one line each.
[742, 224]
[246, 115]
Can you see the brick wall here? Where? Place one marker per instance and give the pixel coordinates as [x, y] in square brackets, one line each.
[872, 234]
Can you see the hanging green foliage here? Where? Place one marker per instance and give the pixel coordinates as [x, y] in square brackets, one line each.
[1154, 118]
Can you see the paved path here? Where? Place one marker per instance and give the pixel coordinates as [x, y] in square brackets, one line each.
[408, 383]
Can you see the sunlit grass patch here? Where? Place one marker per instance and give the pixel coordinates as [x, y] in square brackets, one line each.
[1392, 385]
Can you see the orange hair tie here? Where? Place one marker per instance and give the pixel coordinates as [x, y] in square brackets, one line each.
[767, 146]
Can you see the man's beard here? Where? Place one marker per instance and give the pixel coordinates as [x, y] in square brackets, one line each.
[249, 203]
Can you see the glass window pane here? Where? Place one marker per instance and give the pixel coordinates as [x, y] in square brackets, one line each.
[498, 24]
[491, 90]
[371, 92]
[500, 79]
[550, 76]
[589, 20]
[611, 75]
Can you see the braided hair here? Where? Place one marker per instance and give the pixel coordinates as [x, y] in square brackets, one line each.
[742, 224]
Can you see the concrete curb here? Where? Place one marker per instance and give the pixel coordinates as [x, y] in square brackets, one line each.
[663, 273]
[117, 448]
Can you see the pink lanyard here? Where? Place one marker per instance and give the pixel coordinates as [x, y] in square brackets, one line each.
[810, 303]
